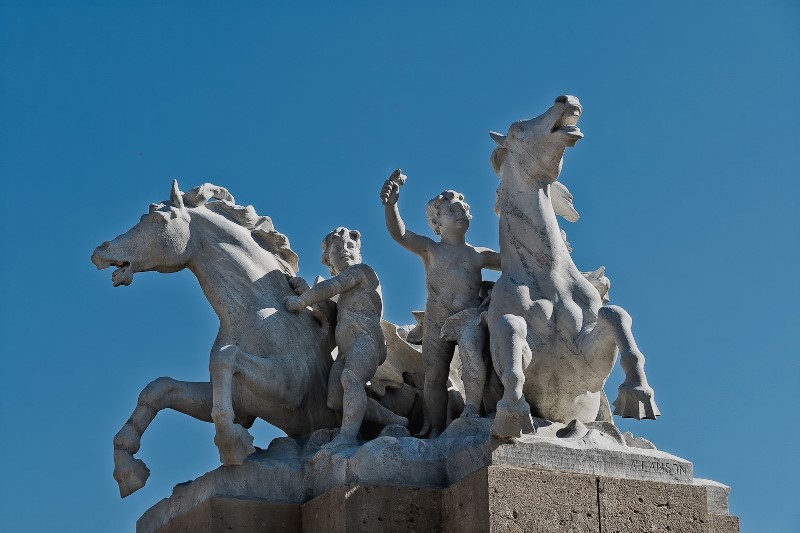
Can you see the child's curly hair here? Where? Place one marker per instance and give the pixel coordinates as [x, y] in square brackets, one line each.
[433, 209]
[339, 233]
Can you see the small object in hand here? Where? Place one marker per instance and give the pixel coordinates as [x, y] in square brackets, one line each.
[398, 177]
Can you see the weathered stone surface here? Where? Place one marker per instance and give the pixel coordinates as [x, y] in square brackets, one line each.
[716, 494]
[494, 498]
[630, 506]
[227, 514]
[514, 499]
[593, 453]
[374, 509]
[295, 473]
[464, 504]
[542, 501]
[723, 524]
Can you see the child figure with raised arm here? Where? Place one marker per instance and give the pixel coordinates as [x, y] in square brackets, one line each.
[452, 279]
[362, 347]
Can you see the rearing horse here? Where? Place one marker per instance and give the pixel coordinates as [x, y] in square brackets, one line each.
[265, 362]
[553, 343]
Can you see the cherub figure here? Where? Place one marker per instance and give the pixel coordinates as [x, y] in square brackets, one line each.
[452, 279]
[358, 333]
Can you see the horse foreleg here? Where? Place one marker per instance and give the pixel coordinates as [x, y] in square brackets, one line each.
[233, 441]
[510, 356]
[613, 331]
[193, 399]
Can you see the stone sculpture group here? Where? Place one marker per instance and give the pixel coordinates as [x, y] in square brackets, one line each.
[533, 350]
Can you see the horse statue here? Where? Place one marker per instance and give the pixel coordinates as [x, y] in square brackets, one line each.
[553, 343]
[265, 363]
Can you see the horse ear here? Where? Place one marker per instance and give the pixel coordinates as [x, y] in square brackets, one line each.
[355, 235]
[175, 196]
[499, 138]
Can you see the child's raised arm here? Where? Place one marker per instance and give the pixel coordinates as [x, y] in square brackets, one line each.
[390, 194]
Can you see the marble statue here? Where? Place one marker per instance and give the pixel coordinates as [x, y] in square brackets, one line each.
[505, 380]
[359, 338]
[452, 278]
[266, 362]
[553, 343]
[525, 358]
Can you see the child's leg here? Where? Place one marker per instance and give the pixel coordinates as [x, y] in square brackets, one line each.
[437, 355]
[354, 405]
[470, 348]
[335, 391]
[360, 363]
[381, 415]
[468, 331]
[375, 411]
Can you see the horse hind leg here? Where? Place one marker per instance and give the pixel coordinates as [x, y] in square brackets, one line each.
[193, 399]
[510, 356]
[233, 441]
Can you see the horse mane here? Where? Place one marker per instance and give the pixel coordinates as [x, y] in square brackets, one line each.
[263, 231]
[497, 159]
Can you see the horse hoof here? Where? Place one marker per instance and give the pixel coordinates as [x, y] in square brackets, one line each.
[130, 473]
[512, 420]
[628, 406]
[234, 445]
[506, 426]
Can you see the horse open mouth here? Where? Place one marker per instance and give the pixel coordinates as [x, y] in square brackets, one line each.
[102, 258]
[123, 274]
[567, 123]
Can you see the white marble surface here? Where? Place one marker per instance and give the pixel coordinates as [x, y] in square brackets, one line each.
[553, 343]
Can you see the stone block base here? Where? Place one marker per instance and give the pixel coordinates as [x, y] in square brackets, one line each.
[376, 508]
[220, 514]
[492, 499]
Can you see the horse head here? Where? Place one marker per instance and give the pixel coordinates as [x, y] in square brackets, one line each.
[167, 238]
[535, 147]
[159, 242]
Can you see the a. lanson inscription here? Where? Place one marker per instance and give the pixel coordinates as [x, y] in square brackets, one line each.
[658, 467]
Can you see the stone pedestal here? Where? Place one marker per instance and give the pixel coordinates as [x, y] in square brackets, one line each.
[463, 480]
[494, 498]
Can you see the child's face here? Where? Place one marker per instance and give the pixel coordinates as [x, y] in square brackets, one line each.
[454, 216]
[343, 252]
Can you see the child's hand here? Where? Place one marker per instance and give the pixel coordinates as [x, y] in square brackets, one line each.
[390, 192]
[293, 303]
[299, 285]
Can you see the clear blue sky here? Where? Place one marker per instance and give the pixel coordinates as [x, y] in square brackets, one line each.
[686, 181]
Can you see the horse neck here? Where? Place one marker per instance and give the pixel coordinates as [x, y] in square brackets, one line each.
[531, 239]
[237, 276]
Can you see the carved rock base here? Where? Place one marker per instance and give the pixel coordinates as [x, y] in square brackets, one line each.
[494, 498]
